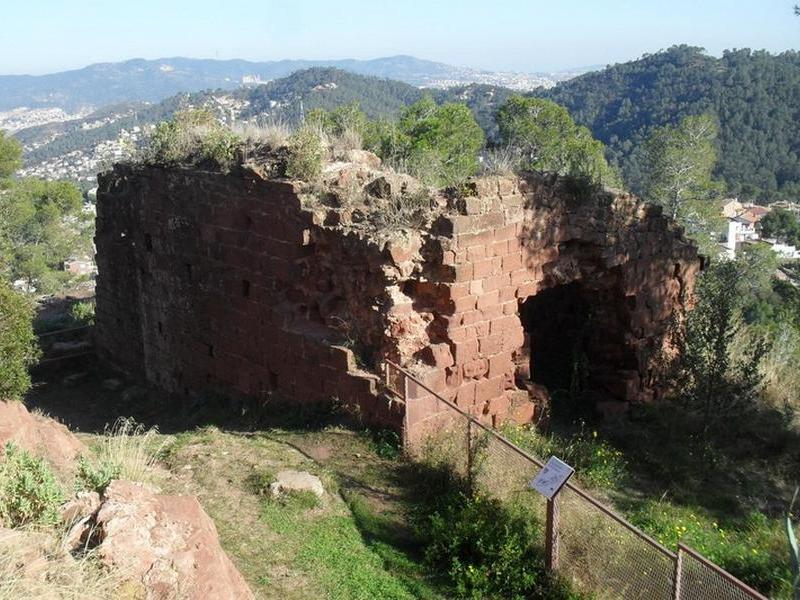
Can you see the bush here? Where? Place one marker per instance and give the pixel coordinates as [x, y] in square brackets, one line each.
[18, 347]
[489, 549]
[194, 137]
[82, 313]
[95, 477]
[306, 153]
[29, 493]
[715, 384]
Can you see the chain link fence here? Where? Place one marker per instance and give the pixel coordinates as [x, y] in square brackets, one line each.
[585, 541]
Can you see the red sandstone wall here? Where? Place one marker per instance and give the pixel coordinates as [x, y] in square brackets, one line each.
[514, 239]
[232, 282]
[215, 282]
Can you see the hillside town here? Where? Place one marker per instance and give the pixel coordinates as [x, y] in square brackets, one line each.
[744, 227]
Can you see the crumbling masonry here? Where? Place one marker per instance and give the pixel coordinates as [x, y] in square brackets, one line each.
[239, 283]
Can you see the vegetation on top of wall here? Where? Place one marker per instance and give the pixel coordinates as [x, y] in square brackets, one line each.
[192, 136]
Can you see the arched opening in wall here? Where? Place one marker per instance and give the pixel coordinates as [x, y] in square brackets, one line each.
[575, 346]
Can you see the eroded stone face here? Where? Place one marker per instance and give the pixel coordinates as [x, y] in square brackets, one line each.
[250, 285]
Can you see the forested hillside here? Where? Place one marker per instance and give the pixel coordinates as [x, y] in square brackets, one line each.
[754, 94]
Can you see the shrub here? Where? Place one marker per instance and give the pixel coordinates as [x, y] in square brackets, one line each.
[95, 477]
[306, 153]
[715, 384]
[489, 549]
[440, 144]
[29, 493]
[192, 136]
[18, 347]
[82, 313]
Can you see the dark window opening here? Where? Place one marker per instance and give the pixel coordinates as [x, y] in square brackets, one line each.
[273, 381]
[189, 271]
[245, 288]
[210, 350]
[148, 242]
[160, 327]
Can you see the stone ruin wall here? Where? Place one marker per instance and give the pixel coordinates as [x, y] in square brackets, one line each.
[237, 283]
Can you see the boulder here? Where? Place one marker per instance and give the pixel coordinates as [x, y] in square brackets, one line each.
[39, 435]
[296, 481]
[168, 544]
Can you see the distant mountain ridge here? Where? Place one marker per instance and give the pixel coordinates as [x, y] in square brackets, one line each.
[140, 80]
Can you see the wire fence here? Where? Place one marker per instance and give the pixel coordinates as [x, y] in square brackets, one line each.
[585, 541]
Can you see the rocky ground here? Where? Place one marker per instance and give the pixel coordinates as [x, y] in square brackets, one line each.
[209, 525]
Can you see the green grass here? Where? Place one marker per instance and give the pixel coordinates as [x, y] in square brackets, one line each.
[354, 544]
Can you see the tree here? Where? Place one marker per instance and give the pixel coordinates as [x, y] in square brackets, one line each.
[547, 139]
[782, 225]
[10, 155]
[440, 144]
[680, 161]
[713, 383]
[17, 343]
[41, 224]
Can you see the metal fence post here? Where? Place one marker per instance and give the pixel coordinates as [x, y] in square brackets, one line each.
[551, 534]
[676, 587]
[469, 454]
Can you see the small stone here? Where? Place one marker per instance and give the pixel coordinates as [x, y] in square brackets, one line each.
[296, 481]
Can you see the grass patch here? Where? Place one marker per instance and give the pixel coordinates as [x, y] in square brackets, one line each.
[126, 451]
[597, 463]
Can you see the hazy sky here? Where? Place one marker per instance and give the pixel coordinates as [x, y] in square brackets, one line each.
[40, 36]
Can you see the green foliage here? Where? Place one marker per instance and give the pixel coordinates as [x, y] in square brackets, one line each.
[10, 155]
[29, 493]
[95, 477]
[306, 154]
[82, 313]
[782, 225]
[41, 224]
[547, 139]
[596, 462]
[748, 548]
[387, 444]
[679, 162]
[18, 347]
[193, 136]
[713, 382]
[438, 144]
[753, 94]
[490, 549]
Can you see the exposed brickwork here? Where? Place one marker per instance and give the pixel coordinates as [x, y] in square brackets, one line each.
[233, 281]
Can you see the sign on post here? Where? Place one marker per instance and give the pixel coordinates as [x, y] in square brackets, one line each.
[549, 481]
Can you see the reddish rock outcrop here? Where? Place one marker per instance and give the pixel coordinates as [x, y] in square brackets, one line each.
[38, 434]
[167, 543]
[259, 286]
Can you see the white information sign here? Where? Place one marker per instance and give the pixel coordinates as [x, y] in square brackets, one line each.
[551, 478]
